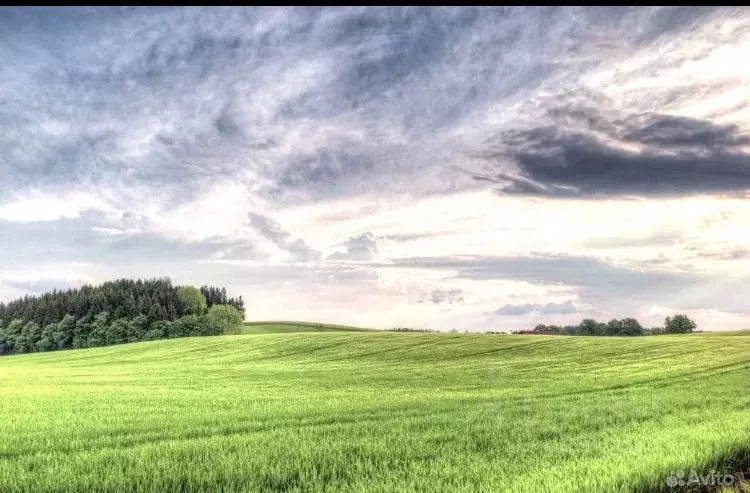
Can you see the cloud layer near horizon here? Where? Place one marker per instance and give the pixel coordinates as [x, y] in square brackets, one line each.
[487, 168]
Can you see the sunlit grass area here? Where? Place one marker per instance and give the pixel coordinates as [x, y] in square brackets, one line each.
[374, 411]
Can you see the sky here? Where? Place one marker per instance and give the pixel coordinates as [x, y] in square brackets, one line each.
[469, 168]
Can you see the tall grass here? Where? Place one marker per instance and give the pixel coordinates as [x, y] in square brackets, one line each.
[369, 411]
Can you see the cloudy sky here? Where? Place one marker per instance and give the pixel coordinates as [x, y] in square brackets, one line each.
[480, 169]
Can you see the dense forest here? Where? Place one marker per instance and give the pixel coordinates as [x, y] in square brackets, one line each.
[116, 312]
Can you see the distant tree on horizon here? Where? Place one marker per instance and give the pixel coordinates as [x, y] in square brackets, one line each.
[679, 324]
[630, 327]
[616, 327]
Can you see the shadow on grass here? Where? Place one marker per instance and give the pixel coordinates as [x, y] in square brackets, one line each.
[734, 463]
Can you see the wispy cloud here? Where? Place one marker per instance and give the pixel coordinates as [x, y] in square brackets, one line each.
[438, 296]
[298, 250]
[550, 308]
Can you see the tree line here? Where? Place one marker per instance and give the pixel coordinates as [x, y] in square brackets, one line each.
[678, 324]
[123, 298]
[116, 312]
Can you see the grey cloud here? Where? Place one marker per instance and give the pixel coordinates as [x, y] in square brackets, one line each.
[239, 250]
[411, 236]
[311, 275]
[565, 308]
[582, 153]
[729, 254]
[438, 296]
[678, 132]
[298, 250]
[362, 248]
[151, 246]
[133, 220]
[661, 238]
[311, 102]
[597, 282]
[539, 268]
[663, 22]
[78, 240]
[269, 228]
[302, 252]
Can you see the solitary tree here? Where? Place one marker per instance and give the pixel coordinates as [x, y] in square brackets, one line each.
[679, 324]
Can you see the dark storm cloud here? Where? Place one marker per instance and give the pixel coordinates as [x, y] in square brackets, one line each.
[670, 132]
[583, 152]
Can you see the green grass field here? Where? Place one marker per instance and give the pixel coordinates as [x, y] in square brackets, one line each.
[288, 327]
[370, 411]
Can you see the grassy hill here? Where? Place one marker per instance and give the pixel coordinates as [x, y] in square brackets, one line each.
[289, 327]
[374, 411]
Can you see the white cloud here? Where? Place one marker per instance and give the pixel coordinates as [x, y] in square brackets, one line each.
[39, 206]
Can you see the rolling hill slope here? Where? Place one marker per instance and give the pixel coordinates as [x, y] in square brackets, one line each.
[371, 411]
[274, 327]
